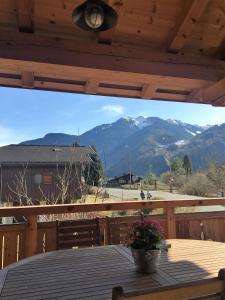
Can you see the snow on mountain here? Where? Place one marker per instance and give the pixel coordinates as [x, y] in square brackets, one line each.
[181, 143]
[192, 133]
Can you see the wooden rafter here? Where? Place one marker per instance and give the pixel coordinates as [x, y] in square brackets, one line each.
[186, 24]
[62, 65]
[214, 94]
[25, 10]
[220, 53]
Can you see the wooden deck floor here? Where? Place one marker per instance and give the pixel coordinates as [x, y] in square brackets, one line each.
[91, 273]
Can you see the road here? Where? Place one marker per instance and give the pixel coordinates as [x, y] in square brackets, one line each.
[122, 194]
[135, 194]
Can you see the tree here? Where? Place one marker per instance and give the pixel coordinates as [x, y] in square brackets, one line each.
[150, 179]
[187, 165]
[93, 173]
[198, 185]
[177, 166]
[216, 173]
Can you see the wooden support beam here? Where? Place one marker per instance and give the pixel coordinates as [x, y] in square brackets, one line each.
[186, 23]
[148, 91]
[171, 222]
[31, 49]
[91, 87]
[31, 236]
[25, 11]
[214, 94]
[27, 79]
[220, 53]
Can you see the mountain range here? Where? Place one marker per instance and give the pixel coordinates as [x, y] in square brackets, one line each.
[147, 144]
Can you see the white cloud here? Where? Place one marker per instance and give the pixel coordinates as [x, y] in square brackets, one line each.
[113, 109]
[8, 136]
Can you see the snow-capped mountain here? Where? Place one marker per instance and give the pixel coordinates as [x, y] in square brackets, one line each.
[146, 143]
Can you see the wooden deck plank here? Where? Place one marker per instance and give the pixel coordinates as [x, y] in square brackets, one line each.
[92, 272]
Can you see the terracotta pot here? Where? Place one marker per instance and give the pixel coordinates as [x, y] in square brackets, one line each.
[146, 261]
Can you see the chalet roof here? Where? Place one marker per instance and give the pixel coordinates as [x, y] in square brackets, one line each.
[14, 154]
[159, 49]
[125, 175]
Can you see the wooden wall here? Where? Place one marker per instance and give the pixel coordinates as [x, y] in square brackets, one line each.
[8, 183]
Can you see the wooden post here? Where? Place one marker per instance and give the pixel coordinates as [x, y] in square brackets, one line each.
[102, 231]
[171, 223]
[107, 230]
[31, 236]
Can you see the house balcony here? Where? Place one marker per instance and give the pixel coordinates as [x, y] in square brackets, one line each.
[18, 241]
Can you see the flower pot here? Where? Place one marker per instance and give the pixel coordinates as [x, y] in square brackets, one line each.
[146, 261]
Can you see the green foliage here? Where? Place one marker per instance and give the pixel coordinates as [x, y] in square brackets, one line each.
[187, 165]
[93, 173]
[198, 185]
[177, 166]
[122, 213]
[145, 211]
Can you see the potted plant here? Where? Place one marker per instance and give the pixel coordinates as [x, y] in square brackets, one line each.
[146, 244]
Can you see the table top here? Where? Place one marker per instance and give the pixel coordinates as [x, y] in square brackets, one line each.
[91, 273]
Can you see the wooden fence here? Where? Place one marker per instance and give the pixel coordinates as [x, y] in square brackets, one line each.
[22, 240]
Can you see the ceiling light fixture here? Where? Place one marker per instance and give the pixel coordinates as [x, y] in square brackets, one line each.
[94, 15]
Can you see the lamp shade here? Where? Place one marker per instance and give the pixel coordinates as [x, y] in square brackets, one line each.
[95, 16]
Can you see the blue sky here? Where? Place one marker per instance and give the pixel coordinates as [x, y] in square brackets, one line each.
[28, 114]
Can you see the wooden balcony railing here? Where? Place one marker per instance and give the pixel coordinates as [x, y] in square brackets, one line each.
[18, 241]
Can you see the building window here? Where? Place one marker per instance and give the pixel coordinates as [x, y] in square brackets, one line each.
[37, 179]
[47, 179]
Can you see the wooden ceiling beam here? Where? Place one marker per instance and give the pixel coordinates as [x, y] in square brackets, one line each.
[214, 94]
[186, 23]
[220, 52]
[25, 11]
[46, 50]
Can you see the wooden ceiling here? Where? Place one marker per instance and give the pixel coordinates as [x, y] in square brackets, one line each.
[172, 50]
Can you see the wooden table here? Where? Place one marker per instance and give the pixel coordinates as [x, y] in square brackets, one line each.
[92, 272]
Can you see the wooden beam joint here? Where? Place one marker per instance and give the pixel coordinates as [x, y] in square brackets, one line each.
[27, 78]
[91, 87]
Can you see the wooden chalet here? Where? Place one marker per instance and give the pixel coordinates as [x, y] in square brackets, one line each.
[124, 179]
[31, 174]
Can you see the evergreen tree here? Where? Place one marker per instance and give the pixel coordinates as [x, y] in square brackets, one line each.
[93, 173]
[187, 165]
[177, 166]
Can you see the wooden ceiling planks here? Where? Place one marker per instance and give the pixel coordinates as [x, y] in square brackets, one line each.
[131, 60]
[186, 23]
